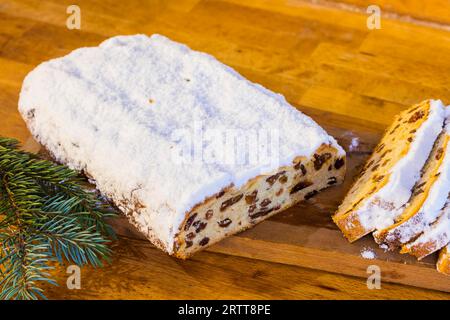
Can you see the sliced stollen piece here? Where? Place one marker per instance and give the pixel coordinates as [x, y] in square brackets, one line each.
[429, 197]
[186, 147]
[443, 264]
[385, 183]
[433, 237]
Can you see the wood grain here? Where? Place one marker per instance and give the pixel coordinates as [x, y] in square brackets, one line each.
[322, 57]
[139, 271]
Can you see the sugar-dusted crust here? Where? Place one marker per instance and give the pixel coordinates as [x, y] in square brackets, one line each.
[443, 264]
[234, 210]
[376, 195]
[433, 237]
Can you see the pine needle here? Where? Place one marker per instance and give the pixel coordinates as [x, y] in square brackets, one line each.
[46, 216]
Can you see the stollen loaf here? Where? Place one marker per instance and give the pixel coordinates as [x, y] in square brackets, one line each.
[187, 148]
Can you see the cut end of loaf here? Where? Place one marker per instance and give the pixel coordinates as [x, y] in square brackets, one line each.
[234, 210]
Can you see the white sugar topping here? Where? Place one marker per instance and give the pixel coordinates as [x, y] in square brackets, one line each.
[122, 111]
[404, 174]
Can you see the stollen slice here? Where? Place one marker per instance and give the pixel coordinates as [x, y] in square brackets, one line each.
[429, 197]
[443, 264]
[386, 182]
[432, 238]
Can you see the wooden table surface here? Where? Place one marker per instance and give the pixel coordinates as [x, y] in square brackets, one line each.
[319, 54]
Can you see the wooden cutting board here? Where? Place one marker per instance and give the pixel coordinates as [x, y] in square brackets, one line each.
[305, 235]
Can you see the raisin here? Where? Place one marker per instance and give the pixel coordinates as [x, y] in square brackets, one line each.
[263, 212]
[420, 185]
[339, 163]
[385, 162]
[413, 131]
[370, 163]
[319, 160]
[357, 202]
[301, 185]
[30, 113]
[209, 214]
[385, 153]
[200, 227]
[272, 179]
[439, 153]
[265, 202]
[395, 128]
[378, 179]
[283, 179]
[332, 180]
[375, 167]
[279, 192]
[251, 208]
[224, 223]
[189, 221]
[303, 169]
[190, 235]
[204, 241]
[410, 139]
[189, 244]
[220, 194]
[311, 194]
[363, 171]
[251, 198]
[413, 109]
[379, 148]
[230, 202]
[416, 116]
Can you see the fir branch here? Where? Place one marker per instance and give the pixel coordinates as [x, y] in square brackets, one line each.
[46, 215]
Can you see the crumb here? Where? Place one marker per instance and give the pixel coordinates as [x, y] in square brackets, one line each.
[367, 253]
[353, 144]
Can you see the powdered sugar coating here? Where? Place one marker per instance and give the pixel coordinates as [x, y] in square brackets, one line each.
[112, 110]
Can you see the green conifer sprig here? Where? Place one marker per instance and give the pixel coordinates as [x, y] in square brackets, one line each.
[47, 216]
